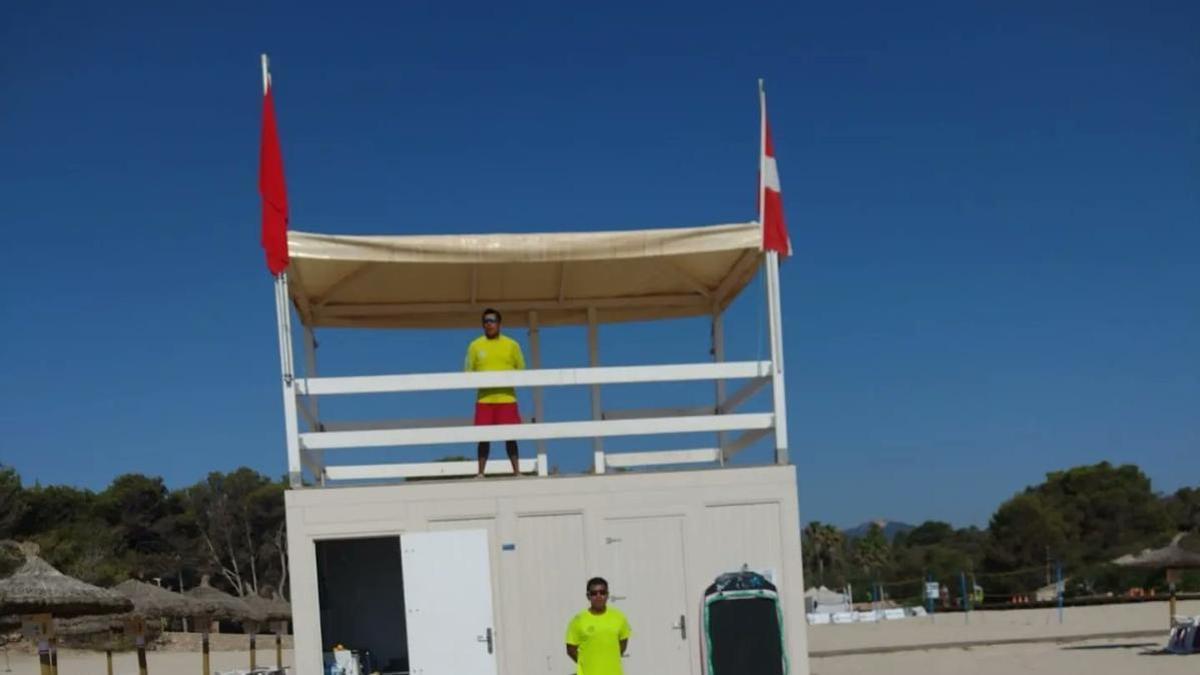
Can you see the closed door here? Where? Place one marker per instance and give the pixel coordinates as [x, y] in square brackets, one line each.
[448, 602]
[550, 555]
[644, 566]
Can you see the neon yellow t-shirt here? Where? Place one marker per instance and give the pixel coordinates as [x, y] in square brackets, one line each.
[502, 353]
[598, 637]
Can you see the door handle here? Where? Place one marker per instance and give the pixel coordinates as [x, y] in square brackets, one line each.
[486, 637]
[681, 627]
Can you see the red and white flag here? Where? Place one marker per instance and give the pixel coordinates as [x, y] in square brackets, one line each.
[770, 199]
[271, 185]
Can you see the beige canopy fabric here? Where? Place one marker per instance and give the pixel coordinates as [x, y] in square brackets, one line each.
[444, 281]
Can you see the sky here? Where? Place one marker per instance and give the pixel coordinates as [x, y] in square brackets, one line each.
[995, 209]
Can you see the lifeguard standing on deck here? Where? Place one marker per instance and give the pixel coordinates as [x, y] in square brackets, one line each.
[496, 405]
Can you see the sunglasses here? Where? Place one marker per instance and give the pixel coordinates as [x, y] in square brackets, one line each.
[487, 321]
[595, 593]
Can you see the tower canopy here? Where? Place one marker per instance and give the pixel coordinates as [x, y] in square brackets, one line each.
[443, 281]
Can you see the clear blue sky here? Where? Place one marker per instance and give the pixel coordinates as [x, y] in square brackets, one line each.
[996, 214]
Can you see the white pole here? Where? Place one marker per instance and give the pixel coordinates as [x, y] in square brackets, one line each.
[718, 353]
[594, 361]
[283, 317]
[539, 410]
[774, 308]
[291, 429]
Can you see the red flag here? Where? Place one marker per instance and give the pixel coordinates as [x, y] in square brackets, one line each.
[273, 190]
[775, 235]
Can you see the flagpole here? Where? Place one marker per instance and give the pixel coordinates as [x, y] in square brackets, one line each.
[774, 307]
[283, 319]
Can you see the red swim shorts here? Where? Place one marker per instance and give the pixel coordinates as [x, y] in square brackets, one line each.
[496, 413]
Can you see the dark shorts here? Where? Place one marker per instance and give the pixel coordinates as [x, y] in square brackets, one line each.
[496, 413]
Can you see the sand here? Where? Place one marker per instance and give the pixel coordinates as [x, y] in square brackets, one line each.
[1025, 624]
[1033, 643]
[1093, 657]
[71, 662]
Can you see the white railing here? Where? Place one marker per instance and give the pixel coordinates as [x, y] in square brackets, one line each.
[720, 418]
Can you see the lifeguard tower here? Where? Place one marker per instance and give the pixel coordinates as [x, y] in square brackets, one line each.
[443, 576]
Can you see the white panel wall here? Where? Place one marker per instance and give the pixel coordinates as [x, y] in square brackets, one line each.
[548, 535]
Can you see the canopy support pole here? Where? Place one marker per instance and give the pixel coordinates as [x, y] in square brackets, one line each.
[539, 409]
[594, 361]
[283, 319]
[718, 354]
[775, 320]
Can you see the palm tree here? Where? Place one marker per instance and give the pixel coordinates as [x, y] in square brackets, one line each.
[824, 544]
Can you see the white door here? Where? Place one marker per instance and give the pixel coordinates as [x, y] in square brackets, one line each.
[448, 603]
[550, 555]
[644, 566]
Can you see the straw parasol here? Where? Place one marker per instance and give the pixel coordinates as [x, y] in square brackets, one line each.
[1177, 555]
[217, 605]
[153, 602]
[156, 602]
[275, 610]
[1182, 553]
[212, 604]
[37, 588]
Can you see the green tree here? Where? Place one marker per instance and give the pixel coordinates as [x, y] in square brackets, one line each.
[1183, 508]
[823, 546]
[12, 501]
[135, 507]
[239, 517]
[871, 552]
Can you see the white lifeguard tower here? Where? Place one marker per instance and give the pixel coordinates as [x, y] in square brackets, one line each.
[443, 576]
[480, 577]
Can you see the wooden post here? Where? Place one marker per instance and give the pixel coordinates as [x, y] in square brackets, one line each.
[204, 650]
[136, 626]
[253, 648]
[278, 649]
[108, 661]
[44, 656]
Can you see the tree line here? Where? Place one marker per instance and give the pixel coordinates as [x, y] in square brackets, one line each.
[229, 526]
[1079, 519]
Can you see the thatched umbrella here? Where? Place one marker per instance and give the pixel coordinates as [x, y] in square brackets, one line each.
[84, 627]
[215, 605]
[154, 602]
[37, 588]
[277, 611]
[1182, 553]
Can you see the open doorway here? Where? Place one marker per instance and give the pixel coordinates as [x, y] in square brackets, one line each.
[360, 583]
[420, 602]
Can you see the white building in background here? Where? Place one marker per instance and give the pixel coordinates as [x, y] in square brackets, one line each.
[455, 577]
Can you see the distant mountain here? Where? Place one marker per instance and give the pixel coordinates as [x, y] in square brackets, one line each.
[890, 529]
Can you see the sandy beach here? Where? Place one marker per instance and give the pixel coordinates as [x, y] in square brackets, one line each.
[997, 626]
[72, 662]
[1030, 642]
[1092, 657]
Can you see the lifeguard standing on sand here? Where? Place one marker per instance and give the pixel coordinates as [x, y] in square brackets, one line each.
[497, 405]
